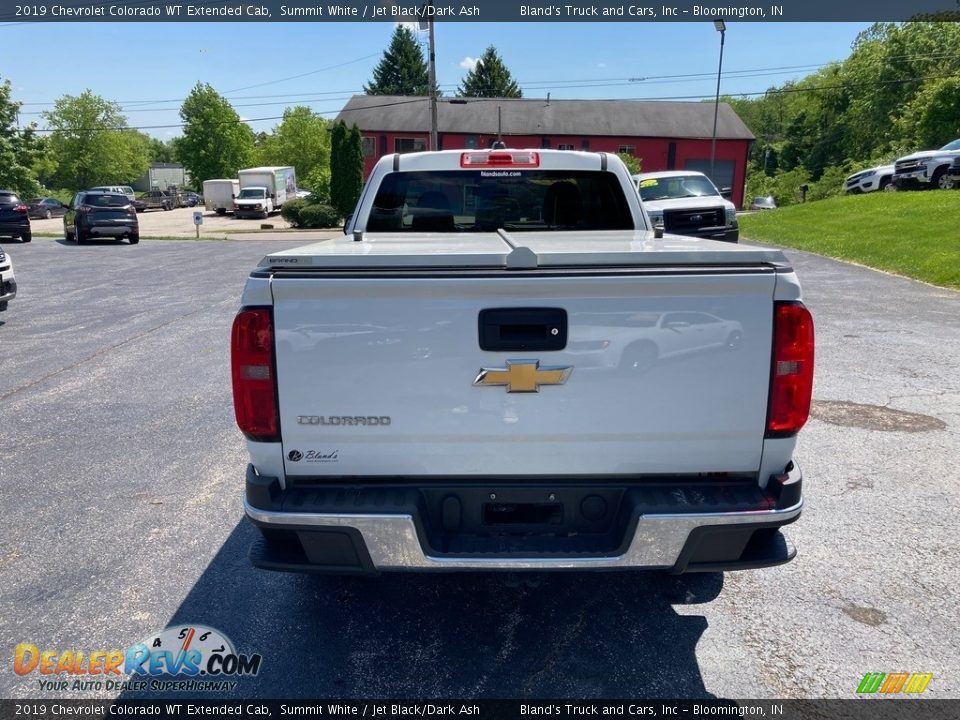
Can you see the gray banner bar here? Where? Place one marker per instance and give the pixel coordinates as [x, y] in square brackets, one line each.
[480, 11]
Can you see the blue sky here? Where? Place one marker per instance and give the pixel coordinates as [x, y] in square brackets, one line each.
[149, 68]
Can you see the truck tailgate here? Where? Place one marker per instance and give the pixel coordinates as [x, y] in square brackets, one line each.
[668, 372]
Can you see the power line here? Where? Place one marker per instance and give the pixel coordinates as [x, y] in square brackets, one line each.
[558, 84]
[229, 122]
[424, 98]
[311, 72]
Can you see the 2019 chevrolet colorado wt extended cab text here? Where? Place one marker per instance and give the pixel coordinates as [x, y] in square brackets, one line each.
[502, 366]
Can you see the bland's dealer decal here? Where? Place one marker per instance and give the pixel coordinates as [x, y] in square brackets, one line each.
[181, 657]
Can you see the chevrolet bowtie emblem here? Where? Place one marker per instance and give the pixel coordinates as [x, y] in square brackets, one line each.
[523, 376]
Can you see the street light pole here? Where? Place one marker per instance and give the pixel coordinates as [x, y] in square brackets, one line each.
[721, 27]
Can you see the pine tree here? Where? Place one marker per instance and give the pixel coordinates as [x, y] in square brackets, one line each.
[402, 70]
[354, 169]
[346, 167]
[338, 139]
[490, 78]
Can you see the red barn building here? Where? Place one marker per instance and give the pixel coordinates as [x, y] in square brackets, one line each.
[664, 135]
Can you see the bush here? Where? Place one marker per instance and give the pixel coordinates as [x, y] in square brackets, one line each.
[291, 211]
[830, 184]
[318, 215]
[633, 163]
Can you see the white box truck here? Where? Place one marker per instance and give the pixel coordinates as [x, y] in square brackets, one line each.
[264, 190]
[218, 194]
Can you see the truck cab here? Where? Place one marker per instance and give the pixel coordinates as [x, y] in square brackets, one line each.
[253, 202]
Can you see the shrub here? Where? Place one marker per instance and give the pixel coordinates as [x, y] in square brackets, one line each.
[830, 184]
[318, 215]
[633, 163]
[291, 211]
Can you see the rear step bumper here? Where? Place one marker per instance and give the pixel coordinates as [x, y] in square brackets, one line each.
[680, 527]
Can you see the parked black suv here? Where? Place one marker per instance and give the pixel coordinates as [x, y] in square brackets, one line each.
[99, 214]
[14, 217]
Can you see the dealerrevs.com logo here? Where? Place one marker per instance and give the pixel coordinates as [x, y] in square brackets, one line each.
[181, 657]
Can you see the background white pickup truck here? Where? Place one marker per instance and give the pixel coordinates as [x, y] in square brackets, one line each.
[499, 366]
[927, 168]
[684, 202]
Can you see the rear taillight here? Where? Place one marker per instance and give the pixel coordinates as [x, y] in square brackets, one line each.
[21, 208]
[254, 376]
[83, 210]
[791, 375]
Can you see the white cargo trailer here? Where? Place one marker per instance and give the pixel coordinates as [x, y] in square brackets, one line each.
[218, 194]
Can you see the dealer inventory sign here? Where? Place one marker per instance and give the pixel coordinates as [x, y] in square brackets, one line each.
[483, 11]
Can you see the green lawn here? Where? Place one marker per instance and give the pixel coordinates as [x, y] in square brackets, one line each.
[916, 234]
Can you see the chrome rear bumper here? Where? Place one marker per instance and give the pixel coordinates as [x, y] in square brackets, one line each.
[659, 541]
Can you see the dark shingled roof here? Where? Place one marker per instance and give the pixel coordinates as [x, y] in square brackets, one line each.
[616, 118]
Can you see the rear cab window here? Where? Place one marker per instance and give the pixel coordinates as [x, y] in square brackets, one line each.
[105, 200]
[485, 200]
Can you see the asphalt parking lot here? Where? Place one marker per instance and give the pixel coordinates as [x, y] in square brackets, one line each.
[121, 475]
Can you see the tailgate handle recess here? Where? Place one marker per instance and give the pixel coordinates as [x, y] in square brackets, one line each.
[507, 329]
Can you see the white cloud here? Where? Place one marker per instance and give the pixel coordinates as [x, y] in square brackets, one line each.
[469, 63]
[244, 119]
[601, 65]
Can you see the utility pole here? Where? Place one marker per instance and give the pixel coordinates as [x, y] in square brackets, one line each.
[432, 75]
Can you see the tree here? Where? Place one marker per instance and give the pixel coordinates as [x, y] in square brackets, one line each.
[490, 78]
[933, 117]
[19, 149]
[346, 167]
[162, 152]
[402, 70]
[302, 140]
[215, 143]
[92, 144]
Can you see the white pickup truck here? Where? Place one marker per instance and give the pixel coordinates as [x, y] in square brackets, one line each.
[502, 366]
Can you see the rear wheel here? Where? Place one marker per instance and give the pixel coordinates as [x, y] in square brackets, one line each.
[134, 239]
[221, 211]
[68, 236]
[81, 236]
[886, 185]
[47, 215]
[26, 237]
